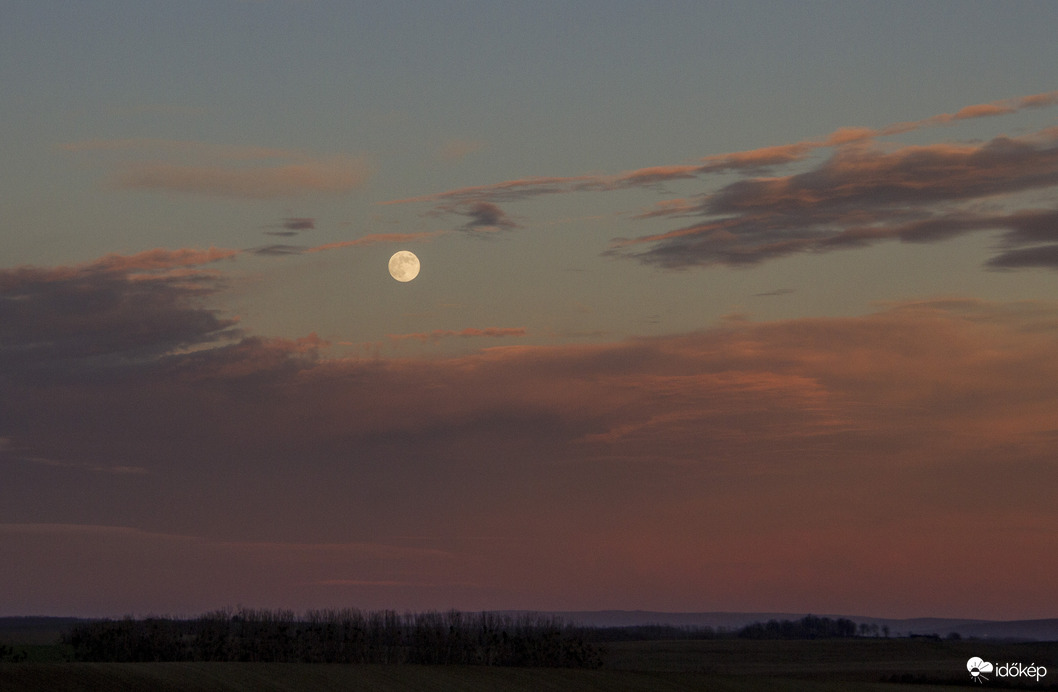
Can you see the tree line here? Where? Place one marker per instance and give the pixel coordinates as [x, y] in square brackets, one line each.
[337, 636]
[808, 627]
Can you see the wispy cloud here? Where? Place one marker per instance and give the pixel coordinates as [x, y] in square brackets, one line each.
[506, 191]
[379, 238]
[176, 569]
[484, 217]
[1039, 256]
[241, 172]
[292, 226]
[371, 239]
[26, 455]
[329, 176]
[438, 334]
[980, 110]
[279, 250]
[458, 149]
[145, 147]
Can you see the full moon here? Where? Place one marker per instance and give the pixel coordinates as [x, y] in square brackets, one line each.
[404, 266]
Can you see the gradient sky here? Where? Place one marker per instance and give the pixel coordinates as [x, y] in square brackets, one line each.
[723, 306]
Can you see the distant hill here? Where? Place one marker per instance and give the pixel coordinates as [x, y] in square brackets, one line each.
[1009, 630]
[1025, 630]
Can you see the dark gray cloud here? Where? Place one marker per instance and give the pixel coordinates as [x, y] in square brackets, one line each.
[857, 178]
[292, 226]
[280, 250]
[299, 224]
[484, 217]
[1041, 256]
[860, 196]
[1032, 226]
[118, 309]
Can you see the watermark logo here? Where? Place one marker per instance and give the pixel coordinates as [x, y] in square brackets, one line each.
[978, 667]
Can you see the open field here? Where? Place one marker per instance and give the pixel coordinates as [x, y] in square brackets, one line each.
[297, 677]
[863, 659]
[723, 664]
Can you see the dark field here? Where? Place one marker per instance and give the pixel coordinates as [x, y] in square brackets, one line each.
[719, 664]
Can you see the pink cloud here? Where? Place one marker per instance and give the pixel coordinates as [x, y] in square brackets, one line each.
[654, 174]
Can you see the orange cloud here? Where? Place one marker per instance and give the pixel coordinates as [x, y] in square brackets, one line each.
[987, 110]
[759, 158]
[654, 174]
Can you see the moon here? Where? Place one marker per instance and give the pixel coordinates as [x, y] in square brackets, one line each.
[404, 266]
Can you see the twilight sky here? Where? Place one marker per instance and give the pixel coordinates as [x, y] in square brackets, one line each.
[723, 306]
